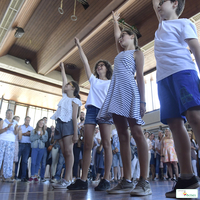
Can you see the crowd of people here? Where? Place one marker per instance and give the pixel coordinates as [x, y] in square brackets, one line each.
[115, 97]
[40, 145]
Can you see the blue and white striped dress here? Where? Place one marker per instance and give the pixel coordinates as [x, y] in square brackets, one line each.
[123, 96]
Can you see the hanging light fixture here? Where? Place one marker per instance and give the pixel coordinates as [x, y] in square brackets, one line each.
[19, 32]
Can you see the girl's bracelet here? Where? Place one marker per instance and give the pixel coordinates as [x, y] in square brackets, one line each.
[143, 102]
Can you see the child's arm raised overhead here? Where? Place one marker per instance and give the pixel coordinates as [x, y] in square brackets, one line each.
[64, 77]
[117, 31]
[139, 61]
[195, 48]
[83, 58]
[155, 7]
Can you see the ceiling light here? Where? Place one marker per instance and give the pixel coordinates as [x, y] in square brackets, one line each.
[19, 32]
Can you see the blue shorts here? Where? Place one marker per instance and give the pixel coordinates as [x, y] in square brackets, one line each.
[91, 116]
[177, 93]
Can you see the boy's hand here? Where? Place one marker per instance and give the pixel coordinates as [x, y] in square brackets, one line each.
[116, 16]
[77, 42]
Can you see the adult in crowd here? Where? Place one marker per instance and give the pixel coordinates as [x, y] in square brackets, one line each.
[99, 162]
[78, 147]
[38, 137]
[24, 149]
[152, 160]
[168, 153]
[17, 138]
[117, 160]
[46, 153]
[159, 163]
[8, 132]
[96, 143]
[146, 134]
[54, 154]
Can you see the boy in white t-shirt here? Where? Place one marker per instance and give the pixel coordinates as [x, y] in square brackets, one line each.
[178, 82]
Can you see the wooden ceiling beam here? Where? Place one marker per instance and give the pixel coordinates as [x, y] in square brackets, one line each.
[87, 32]
[21, 20]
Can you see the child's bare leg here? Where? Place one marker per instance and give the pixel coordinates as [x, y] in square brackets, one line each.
[105, 130]
[169, 166]
[124, 139]
[142, 147]
[88, 143]
[193, 117]
[175, 169]
[182, 144]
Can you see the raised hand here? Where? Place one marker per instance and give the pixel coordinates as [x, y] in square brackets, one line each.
[61, 65]
[115, 16]
[77, 42]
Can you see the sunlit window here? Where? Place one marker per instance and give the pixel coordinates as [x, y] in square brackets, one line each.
[31, 114]
[38, 116]
[50, 122]
[4, 107]
[21, 112]
[151, 92]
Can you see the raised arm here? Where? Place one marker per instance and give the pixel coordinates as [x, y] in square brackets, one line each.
[155, 7]
[139, 61]
[83, 58]
[64, 77]
[117, 31]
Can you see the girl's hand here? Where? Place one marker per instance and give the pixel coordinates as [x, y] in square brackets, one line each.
[142, 109]
[61, 65]
[77, 42]
[75, 138]
[115, 16]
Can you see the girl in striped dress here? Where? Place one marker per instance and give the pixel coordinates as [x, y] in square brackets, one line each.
[125, 104]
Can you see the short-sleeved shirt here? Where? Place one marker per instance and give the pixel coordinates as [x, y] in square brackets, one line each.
[98, 91]
[64, 110]
[25, 139]
[171, 50]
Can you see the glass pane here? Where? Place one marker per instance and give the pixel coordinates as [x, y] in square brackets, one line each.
[21, 112]
[31, 114]
[50, 122]
[156, 102]
[4, 107]
[44, 113]
[38, 116]
[148, 94]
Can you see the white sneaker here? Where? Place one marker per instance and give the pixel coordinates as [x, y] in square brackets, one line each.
[142, 188]
[62, 185]
[54, 180]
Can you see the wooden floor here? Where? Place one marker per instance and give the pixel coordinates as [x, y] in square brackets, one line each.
[44, 191]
